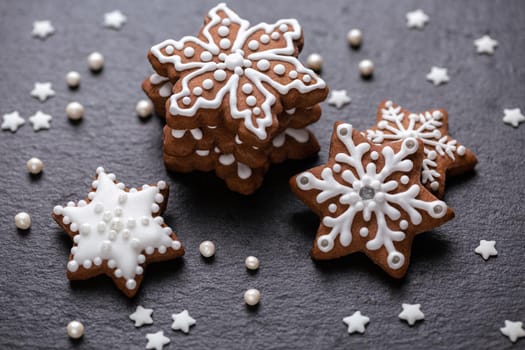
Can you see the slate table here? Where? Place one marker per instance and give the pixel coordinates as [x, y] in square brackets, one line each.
[464, 298]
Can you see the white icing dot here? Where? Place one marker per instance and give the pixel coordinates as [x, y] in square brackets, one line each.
[332, 208]
[159, 220]
[222, 56]
[276, 36]
[461, 150]
[239, 71]
[432, 155]
[100, 170]
[57, 210]
[206, 56]
[134, 243]
[307, 78]
[434, 185]
[87, 264]
[73, 227]
[437, 115]
[226, 21]
[159, 198]
[122, 198]
[73, 250]
[82, 203]
[279, 69]
[112, 235]
[404, 179]
[207, 84]
[97, 261]
[131, 284]
[70, 204]
[224, 43]
[292, 74]
[197, 91]
[66, 220]
[112, 176]
[374, 155]
[403, 224]
[149, 250]
[91, 195]
[117, 211]
[189, 52]
[72, 266]
[101, 227]
[121, 185]
[256, 111]
[283, 28]
[253, 45]
[112, 264]
[186, 100]
[85, 229]
[382, 124]
[336, 168]
[145, 221]
[155, 208]
[161, 185]
[223, 31]
[131, 223]
[118, 273]
[170, 49]
[107, 216]
[175, 245]
[263, 65]
[125, 233]
[219, 75]
[139, 270]
[141, 259]
[363, 231]
[247, 88]
[162, 249]
[265, 39]
[251, 101]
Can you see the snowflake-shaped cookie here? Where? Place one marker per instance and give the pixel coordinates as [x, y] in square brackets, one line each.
[444, 155]
[117, 231]
[370, 199]
[244, 74]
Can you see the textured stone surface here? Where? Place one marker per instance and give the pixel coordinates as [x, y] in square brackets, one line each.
[465, 299]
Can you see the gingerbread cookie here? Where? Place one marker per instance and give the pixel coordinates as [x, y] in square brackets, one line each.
[370, 199]
[117, 231]
[443, 154]
[235, 90]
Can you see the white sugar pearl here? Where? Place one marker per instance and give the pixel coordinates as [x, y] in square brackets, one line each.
[73, 79]
[22, 220]
[74, 111]
[354, 38]
[252, 297]
[315, 62]
[252, 263]
[95, 61]
[207, 249]
[35, 166]
[366, 68]
[75, 329]
[144, 108]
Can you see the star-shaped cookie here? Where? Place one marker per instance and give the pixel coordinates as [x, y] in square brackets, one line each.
[443, 154]
[116, 231]
[370, 199]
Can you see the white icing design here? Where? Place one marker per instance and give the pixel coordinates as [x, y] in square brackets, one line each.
[117, 226]
[196, 133]
[244, 60]
[423, 126]
[299, 135]
[367, 190]
[165, 89]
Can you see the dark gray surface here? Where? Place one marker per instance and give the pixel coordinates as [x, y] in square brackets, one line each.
[464, 298]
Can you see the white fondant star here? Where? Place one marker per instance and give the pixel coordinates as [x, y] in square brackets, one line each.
[42, 91]
[40, 120]
[416, 19]
[12, 121]
[114, 19]
[42, 29]
[486, 249]
[438, 75]
[485, 45]
[182, 321]
[141, 316]
[339, 98]
[513, 117]
[411, 313]
[356, 322]
[513, 330]
[156, 340]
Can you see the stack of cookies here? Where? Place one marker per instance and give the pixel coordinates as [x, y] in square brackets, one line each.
[236, 98]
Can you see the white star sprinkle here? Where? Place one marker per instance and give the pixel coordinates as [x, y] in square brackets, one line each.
[42, 29]
[356, 322]
[485, 45]
[513, 330]
[486, 249]
[339, 98]
[141, 316]
[156, 340]
[416, 19]
[182, 321]
[40, 120]
[42, 91]
[114, 19]
[513, 117]
[12, 121]
[438, 75]
[411, 313]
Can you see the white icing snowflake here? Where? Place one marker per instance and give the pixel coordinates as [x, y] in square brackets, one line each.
[381, 196]
[256, 63]
[118, 227]
[427, 127]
